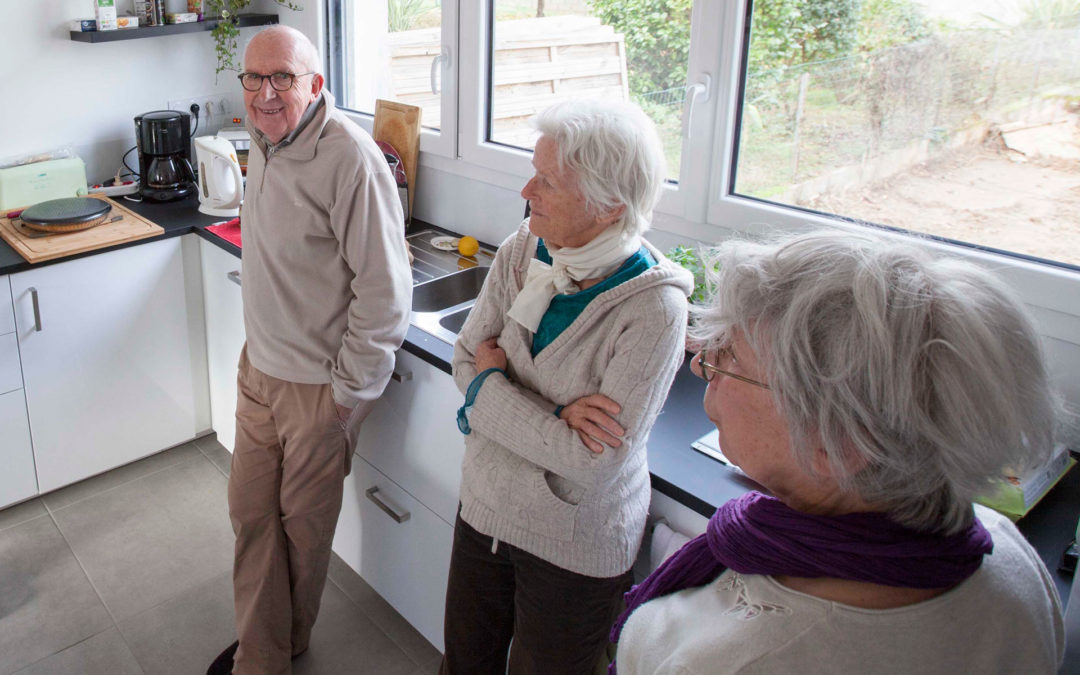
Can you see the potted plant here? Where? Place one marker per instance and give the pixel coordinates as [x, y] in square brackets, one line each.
[226, 33]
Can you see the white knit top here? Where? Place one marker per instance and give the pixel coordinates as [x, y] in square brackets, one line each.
[527, 478]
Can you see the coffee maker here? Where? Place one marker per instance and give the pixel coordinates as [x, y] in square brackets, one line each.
[163, 138]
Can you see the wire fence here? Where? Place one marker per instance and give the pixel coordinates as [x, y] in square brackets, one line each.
[803, 121]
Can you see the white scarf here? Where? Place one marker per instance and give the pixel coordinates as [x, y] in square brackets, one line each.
[596, 260]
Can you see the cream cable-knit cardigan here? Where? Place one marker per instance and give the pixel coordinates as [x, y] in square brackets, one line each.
[527, 478]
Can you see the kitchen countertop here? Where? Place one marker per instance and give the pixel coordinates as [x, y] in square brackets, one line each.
[687, 476]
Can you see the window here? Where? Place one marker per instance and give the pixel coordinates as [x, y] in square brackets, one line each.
[397, 50]
[919, 116]
[606, 49]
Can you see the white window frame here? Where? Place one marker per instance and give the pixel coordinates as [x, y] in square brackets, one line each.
[433, 143]
[701, 206]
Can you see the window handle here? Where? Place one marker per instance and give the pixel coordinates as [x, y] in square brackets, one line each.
[695, 92]
[444, 59]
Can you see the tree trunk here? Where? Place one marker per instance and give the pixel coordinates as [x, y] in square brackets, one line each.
[539, 9]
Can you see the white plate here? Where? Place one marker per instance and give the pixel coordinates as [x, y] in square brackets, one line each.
[445, 243]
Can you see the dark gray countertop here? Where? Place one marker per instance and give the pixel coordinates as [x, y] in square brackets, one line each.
[689, 477]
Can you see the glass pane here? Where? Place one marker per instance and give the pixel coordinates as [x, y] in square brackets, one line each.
[390, 52]
[546, 51]
[952, 119]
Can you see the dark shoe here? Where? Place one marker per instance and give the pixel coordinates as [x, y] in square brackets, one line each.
[223, 664]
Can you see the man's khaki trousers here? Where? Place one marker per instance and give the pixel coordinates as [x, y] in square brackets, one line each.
[288, 468]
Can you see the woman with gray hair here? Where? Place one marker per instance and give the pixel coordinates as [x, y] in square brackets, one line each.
[565, 362]
[875, 391]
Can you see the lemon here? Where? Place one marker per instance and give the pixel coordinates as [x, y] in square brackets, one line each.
[468, 246]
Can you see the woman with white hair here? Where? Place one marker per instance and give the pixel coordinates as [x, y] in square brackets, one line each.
[875, 391]
[565, 362]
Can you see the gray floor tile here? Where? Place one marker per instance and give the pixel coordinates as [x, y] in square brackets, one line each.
[422, 652]
[46, 602]
[216, 452]
[20, 513]
[144, 541]
[106, 652]
[111, 479]
[184, 635]
[344, 640]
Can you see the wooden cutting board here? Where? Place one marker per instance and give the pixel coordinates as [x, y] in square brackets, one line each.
[35, 248]
[399, 125]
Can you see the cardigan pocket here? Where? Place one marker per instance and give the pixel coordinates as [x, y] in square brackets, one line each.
[540, 510]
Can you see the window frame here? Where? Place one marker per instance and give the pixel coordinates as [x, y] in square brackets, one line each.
[702, 206]
[433, 143]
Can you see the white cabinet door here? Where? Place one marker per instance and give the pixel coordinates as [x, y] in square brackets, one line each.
[17, 480]
[7, 319]
[106, 359]
[411, 435]
[224, 335]
[405, 562]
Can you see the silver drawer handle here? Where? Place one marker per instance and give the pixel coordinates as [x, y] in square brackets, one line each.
[37, 310]
[234, 277]
[401, 518]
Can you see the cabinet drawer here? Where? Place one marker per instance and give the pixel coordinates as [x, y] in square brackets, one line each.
[411, 435]
[10, 370]
[405, 562]
[17, 479]
[7, 316]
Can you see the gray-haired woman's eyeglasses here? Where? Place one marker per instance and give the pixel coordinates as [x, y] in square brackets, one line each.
[279, 81]
[709, 368]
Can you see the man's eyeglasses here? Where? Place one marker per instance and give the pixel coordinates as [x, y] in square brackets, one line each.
[709, 369]
[279, 81]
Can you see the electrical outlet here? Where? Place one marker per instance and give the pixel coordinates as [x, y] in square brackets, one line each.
[215, 110]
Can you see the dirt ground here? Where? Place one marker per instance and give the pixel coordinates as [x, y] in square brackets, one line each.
[1018, 191]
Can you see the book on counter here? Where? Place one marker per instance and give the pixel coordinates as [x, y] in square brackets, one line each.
[1017, 494]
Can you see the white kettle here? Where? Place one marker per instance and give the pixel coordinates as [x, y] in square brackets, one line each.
[221, 185]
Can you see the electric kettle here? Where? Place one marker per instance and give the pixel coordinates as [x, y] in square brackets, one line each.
[221, 186]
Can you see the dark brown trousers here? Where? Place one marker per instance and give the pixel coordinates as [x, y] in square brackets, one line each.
[558, 620]
[285, 486]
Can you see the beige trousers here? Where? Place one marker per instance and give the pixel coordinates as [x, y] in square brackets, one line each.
[288, 468]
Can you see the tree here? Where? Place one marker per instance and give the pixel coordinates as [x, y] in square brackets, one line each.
[657, 34]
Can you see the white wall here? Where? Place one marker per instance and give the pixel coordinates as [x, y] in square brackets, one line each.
[65, 93]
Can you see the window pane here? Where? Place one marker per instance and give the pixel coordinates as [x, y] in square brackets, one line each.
[953, 119]
[390, 50]
[546, 51]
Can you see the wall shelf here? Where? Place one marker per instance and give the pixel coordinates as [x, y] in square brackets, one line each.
[245, 20]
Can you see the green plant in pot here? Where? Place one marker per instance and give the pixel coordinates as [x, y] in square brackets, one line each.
[225, 33]
[690, 259]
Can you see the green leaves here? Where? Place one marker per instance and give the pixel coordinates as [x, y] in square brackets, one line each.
[690, 259]
[225, 34]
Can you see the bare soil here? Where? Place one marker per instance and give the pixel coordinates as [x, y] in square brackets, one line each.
[1018, 191]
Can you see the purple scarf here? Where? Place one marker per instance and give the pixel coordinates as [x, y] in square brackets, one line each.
[756, 534]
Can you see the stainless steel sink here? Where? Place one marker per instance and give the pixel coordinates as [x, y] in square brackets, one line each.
[440, 306]
[450, 291]
[455, 320]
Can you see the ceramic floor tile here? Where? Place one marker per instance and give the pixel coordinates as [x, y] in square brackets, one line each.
[344, 640]
[146, 540]
[216, 453]
[20, 513]
[104, 653]
[46, 602]
[184, 634]
[111, 479]
[422, 652]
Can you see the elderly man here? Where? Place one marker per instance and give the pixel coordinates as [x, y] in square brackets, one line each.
[326, 294]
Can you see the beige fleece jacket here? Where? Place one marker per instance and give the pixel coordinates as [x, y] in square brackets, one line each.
[326, 283]
[527, 479]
